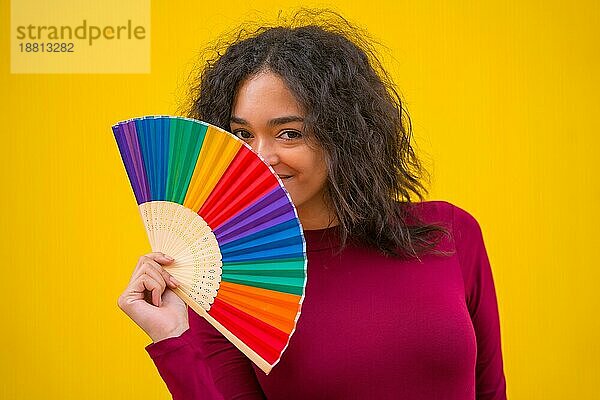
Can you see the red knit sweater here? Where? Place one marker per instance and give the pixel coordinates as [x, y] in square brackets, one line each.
[371, 327]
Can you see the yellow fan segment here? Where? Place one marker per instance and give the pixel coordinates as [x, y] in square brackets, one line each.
[182, 234]
[218, 149]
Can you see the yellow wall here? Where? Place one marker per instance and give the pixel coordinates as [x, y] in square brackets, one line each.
[503, 97]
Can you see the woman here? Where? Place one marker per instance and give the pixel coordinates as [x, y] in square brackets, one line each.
[400, 300]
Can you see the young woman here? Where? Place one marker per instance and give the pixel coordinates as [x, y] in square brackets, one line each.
[400, 300]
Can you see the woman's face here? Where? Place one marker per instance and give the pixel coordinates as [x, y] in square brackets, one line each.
[266, 115]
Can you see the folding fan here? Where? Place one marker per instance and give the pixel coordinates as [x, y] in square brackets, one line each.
[221, 212]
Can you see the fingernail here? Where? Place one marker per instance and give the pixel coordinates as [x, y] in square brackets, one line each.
[169, 258]
[174, 281]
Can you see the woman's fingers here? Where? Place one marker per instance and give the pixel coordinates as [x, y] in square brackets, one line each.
[156, 277]
[160, 257]
[148, 283]
[137, 291]
[153, 261]
[148, 287]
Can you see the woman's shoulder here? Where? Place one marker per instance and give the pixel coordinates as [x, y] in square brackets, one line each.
[463, 227]
[466, 238]
[444, 212]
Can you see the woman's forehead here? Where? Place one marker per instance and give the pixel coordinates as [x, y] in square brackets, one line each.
[268, 95]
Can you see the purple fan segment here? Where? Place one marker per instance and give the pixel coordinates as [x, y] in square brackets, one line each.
[129, 147]
[270, 210]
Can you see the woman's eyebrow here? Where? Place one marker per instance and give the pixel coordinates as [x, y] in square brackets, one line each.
[273, 122]
[285, 120]
[238, 120]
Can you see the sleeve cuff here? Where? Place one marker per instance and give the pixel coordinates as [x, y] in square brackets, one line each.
[168, 345]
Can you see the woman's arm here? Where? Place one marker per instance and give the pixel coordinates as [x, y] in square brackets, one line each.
[203, 364]
[482, 304]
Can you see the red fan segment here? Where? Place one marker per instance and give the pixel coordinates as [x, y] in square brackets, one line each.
[244, 182]
[267, 341]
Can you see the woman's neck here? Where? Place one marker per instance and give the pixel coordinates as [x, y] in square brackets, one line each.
[317, 216]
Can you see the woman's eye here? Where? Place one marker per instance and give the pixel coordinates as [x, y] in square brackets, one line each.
[289, 135]
[244, 135]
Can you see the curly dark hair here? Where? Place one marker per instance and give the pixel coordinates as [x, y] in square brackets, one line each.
[353, 111]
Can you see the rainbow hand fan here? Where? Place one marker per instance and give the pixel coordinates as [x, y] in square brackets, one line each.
[211, 203]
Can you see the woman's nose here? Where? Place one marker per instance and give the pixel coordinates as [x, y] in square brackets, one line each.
[267, 150]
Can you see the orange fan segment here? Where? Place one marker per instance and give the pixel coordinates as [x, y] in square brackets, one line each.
[275, 308]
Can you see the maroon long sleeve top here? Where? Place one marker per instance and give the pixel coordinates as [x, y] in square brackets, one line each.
[372, 327]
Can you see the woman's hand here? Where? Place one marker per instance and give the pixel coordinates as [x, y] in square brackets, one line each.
[149, 301]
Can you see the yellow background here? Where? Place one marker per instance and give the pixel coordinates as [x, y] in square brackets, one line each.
[503, 97]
